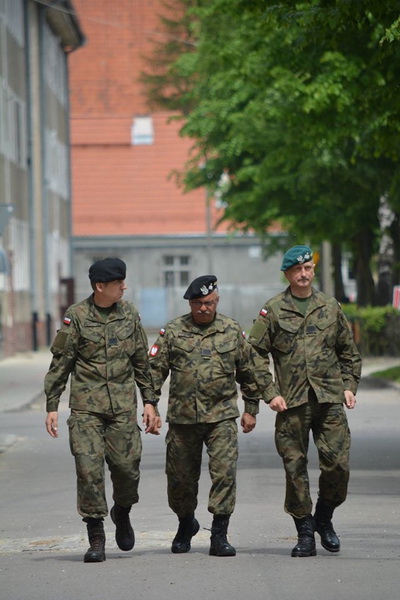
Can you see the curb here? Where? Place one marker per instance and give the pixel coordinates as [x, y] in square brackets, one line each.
[377, 382]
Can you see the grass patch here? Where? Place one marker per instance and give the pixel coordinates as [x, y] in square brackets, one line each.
[392, 374]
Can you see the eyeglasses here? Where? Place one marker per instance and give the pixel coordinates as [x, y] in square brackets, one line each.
[199, 303]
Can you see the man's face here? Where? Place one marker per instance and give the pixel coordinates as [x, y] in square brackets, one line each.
[203, 309]
[300, 276]
[110, 292]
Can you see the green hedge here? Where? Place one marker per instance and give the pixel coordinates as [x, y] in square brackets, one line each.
[376, 329]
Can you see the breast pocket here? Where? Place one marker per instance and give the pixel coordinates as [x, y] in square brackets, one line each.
[327, 330]
[284, 339]
[126, 339]
[90, 340]
[227, 355]
[182, 354]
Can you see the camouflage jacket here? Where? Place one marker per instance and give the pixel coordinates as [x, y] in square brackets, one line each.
[204, 366]
[104, 360]
[314, 350]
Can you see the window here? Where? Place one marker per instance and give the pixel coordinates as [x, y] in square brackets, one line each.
[176, 271]
[255, 252]
[13, 140]
[142, 131]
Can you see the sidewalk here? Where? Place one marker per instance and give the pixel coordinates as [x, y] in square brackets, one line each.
[21, 381]
[21, 384]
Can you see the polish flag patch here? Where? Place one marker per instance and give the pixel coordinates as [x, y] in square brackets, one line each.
[153, 350]
[263, 312]
[244, 334]
[67, 321]
[162, 331]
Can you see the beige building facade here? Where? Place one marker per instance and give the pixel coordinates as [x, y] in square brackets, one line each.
[35, 191]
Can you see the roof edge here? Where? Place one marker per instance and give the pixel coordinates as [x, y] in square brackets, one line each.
[64, 22]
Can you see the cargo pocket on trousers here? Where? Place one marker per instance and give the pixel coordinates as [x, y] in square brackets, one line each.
[73, 434]
[79, 444]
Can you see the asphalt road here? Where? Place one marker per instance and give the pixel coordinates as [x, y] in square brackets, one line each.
[42, 540]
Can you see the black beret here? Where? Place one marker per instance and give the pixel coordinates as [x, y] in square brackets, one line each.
[107, 269]
[202, 286]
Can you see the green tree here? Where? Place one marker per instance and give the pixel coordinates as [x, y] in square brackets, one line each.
[167, 78]
[298, 103]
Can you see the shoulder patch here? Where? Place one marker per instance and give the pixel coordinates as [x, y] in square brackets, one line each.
[263, 312]
[257, 331]
[154, 350]
[60, 340]
[67, 321]
[162, 331]
[244, 334]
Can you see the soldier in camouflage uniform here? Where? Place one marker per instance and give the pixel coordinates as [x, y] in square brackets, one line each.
[317, 370]
[206, 355]
[103, 346]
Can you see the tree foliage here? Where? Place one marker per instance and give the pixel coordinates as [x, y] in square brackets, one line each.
[296, 107]
[169, 73]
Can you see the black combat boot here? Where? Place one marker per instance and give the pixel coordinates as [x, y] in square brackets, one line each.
[124, 534]
[219, 544]
[323, 524]
[188, 527]
[306, 540]
[97, 541]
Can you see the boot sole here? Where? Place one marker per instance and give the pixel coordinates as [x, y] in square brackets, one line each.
[303, 555]
[94, 560]
[333, 550]
[214, 553]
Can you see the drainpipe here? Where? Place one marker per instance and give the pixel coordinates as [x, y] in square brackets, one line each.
[45, 198]
[69, 170]
[30, 167]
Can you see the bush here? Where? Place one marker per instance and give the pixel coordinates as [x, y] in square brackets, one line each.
[376, 329]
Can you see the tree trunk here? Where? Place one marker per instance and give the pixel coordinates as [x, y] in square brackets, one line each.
[395, 234]
[384, 287]
[339, 291]
[362, 243]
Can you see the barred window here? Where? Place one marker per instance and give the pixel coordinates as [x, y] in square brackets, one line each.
[176, 271]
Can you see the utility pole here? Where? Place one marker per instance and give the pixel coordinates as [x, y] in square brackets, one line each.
[209, 239]
[326, 280]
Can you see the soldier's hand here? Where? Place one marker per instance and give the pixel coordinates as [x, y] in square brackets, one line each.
[52, 423]
[151, 420]
[278, 404]
[248, 422]
[157, 426]
[349, 399]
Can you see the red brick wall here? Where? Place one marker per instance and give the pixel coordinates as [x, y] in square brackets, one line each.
[120, 189]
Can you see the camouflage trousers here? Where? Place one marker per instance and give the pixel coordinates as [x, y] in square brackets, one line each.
[95, 439]
[183, 465]
[328, 423]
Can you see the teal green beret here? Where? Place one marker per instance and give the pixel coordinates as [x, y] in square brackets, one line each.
[296, 256]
